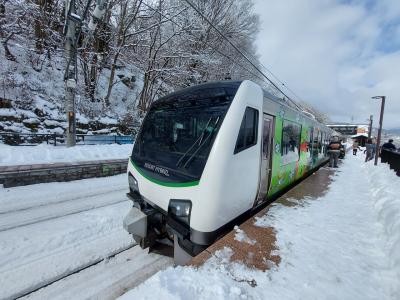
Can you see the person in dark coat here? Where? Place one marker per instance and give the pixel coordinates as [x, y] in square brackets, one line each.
[389, 145]
[334, 151]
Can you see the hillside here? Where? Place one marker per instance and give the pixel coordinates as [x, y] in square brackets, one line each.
[32, 97]
[138, 53]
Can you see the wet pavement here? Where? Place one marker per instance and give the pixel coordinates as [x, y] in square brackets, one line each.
[257, 251]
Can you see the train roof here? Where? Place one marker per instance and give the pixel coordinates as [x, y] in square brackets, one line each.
[284, 103]
[234, 84]
[214, 84]
[217, 84]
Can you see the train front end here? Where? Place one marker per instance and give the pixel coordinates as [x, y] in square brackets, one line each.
[166, 167]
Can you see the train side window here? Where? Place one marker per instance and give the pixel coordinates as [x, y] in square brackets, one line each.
[310, 141]
[321, 142]
[290, 145]
[248, 130]
[326, 143]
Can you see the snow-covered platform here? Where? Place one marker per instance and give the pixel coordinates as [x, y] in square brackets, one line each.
[337, 238]
[255, 246]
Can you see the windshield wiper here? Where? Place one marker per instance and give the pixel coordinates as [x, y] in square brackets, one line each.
[200, 138]
[201, 144]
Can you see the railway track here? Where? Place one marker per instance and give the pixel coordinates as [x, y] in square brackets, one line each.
[44, 284]
[56, 199]
[66, 241]
[51, 234]
[32, 215]
[37, 255]
[105, 279]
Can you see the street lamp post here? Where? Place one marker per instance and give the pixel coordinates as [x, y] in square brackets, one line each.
[378, 142]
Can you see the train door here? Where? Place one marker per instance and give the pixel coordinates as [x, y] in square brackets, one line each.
[266, 157]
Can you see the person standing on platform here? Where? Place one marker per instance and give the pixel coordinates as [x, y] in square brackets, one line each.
[334, 151]
[356, 146]
[389, 145]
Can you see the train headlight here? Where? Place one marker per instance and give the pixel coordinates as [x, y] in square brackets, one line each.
[180, 210]
[133, 184]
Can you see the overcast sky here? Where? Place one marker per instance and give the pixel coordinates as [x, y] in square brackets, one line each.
[335, 55]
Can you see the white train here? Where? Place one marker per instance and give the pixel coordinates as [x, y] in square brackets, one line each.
[208, 156]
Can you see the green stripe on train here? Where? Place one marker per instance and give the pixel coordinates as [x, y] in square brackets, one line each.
[163, 183]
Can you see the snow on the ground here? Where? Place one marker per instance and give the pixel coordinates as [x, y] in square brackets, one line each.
[37, 253]
[43, 153]
[344, 245]
[38, 195]
[241, 236]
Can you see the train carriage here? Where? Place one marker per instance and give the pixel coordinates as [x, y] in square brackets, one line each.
[211, 154]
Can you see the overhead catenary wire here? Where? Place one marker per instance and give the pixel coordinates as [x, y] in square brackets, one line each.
[241, 52]
[231, 59]
[235, 62]
[281, 82]
[276, 78]
[213, 48]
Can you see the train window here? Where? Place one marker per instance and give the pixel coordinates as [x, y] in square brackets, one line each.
[321, 142]
[310, 140]
[248, 130]
[326, 143]
[316, 145]
[178, 133]
[267, 126]
[290, 144]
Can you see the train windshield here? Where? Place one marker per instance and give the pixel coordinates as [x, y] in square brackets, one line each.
[178, 133]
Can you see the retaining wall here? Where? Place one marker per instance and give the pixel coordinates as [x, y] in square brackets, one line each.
[11, 176]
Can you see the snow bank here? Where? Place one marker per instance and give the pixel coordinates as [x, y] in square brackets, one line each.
[385, 192]
[41, 154]
[344, 245]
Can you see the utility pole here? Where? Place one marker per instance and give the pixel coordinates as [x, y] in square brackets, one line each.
[378, 142]
[70, 76]
[370, 127]
[71, 39]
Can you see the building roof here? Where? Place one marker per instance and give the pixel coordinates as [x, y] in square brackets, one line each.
[347, 125]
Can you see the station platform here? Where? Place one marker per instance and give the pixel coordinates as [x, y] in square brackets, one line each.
[254, 246]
